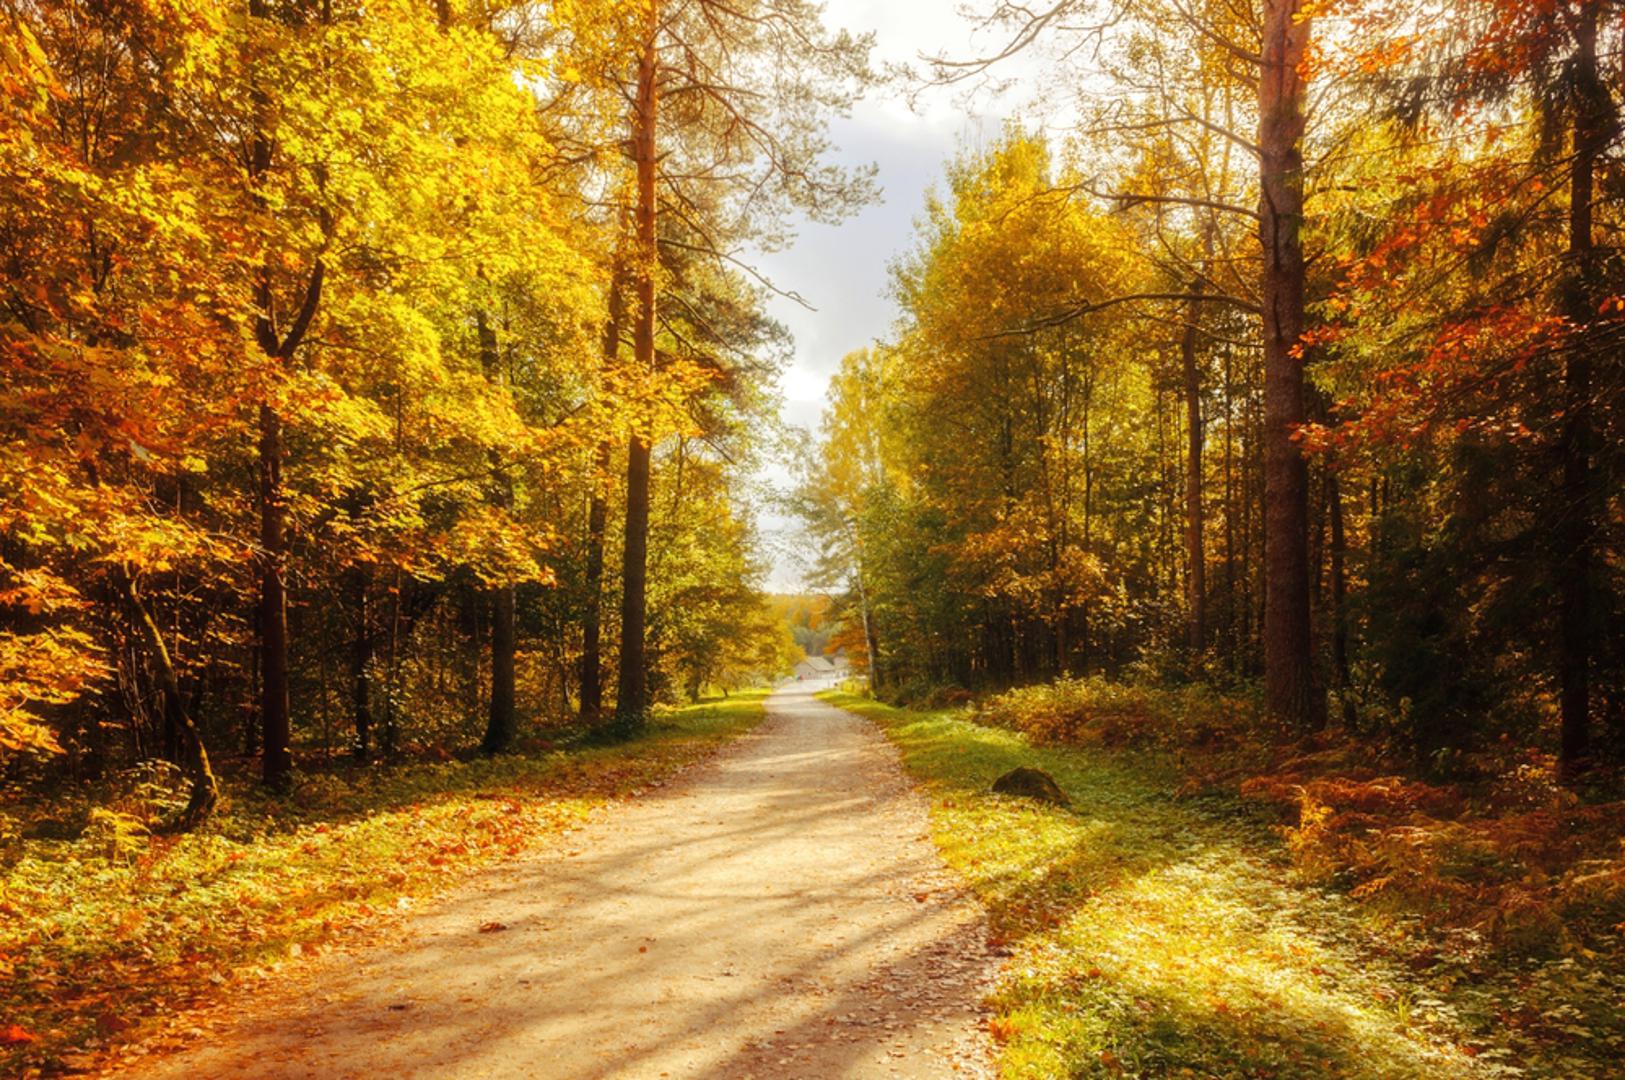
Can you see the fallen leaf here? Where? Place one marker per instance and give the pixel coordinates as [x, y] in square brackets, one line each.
[492, 927]
[111, 1023]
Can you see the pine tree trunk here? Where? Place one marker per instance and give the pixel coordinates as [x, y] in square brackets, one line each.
[592, 661]
[1195, 549]
[1576, 531]
[631, 702]
[631, 698]
[1290, 694]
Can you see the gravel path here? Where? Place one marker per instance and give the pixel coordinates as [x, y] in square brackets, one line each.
[778, 913]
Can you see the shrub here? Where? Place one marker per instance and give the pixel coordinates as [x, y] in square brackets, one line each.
[1098, 712]
[1527, 879]
[924, 694]
[1504, 852]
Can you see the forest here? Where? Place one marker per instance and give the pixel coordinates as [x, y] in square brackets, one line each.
[1263, 412]
[334, 384]
[387, 392]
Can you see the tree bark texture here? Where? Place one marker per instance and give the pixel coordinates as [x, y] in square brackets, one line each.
[1576, 522]
[1291, 696]
[1195, 549]
[501, 723]
[631, 702]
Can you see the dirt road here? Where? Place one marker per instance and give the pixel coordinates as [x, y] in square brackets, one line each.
[778, 913]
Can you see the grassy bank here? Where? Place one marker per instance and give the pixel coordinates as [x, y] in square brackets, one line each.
[103, 933]
[1155, 935]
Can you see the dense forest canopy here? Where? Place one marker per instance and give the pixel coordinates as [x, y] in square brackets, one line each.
[330, 334]
[1291, 359]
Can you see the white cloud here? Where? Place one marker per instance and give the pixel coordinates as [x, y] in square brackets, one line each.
[802, 384]
[842, 270]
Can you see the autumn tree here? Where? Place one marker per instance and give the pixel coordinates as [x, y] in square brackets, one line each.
[362, 354]
[727, 106]
[112, 361]
[836, 482]
[1268, 57]
[974, 486]
[1492, 236]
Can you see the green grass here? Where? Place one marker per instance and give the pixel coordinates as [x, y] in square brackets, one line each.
[115, 928]
[1156, 936]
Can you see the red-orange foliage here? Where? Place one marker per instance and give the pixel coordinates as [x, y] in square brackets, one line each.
[1552, 873]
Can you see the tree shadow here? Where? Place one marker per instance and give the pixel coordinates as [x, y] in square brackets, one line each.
[1156, 934]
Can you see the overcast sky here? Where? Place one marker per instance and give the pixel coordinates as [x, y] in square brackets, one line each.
[841, 270]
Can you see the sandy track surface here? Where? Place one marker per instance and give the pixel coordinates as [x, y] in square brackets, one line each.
[778, 913]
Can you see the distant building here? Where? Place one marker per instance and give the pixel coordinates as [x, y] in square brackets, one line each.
[817, 667]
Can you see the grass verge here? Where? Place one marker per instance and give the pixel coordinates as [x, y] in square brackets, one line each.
[103, 935]
[1154, 935]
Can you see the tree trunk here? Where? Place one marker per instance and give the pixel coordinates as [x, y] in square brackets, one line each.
[1228, 637]
[361, 641]
[275, 732]
[501, 724]
[592, 661]
[631, 702]
[1195, 549]
[1575, 533]
[1340, 619]
[392, 668]
[194, 756]
[871, 639]
[1290, 694]
[871, 643]
[251, 729]
[631, 698]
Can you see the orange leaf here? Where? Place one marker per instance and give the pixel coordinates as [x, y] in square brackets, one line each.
[16, 1035]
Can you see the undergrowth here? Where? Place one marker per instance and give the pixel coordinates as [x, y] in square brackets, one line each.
[107, 926]
[1497, 848]
[1160, 928]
